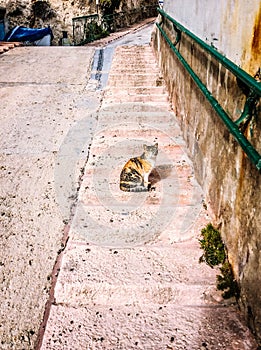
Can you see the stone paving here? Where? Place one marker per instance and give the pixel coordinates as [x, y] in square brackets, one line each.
[40, 104]
[129, 276]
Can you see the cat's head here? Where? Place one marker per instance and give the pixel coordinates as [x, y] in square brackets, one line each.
[151, 151]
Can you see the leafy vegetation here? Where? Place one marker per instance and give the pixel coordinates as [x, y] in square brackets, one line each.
[226, 282]
[214, 255]
[95, 31]
[214, 249]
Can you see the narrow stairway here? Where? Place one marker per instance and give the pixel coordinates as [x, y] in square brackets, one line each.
[130, 277]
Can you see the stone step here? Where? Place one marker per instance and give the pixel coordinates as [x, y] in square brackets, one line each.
[126, 111]
[141, 275]
[133, 70]
[130, 107]
[137, 83]
[133, 75]
[154, 99]
[127, 64]
[153, 104]
[126, 81]
[148, 128]
[106, 215]
[129, 91]
[146, 327]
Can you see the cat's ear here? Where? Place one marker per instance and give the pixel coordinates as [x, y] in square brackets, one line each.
[156, 144]
[145, 147]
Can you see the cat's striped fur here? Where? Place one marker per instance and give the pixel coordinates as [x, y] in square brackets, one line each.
[135, 173]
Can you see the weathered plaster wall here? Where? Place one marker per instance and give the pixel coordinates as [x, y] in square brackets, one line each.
[227, 24]
[56, 13]
[230, 181]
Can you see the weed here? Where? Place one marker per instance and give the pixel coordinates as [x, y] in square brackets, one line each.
[226, 282]
[214, 255]
[214, 249]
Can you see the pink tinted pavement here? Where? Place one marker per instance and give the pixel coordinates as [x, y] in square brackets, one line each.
[129, 277]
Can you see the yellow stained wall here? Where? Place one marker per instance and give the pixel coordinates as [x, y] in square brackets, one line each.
[232, 26]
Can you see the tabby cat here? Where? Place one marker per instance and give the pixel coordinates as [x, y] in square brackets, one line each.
[135, 173]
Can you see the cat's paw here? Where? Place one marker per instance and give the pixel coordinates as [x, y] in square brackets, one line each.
[150, 188]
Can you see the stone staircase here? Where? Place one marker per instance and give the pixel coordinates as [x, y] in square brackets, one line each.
[135, 80]
[129, 276]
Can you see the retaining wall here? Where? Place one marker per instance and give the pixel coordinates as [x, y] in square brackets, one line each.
[231, 183]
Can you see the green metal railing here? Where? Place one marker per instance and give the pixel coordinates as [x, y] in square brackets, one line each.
[83, 28]
[252, 84]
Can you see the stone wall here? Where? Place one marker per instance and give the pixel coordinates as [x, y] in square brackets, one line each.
[231, 183]
[58, 13]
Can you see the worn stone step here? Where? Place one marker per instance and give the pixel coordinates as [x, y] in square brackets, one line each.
[134, 73]
[127, 114]
[111, 91]
[139, 60]
[139, 83]
[128, 65]
[139, 69]
[151, 99]
[131, 81]
[132, 108]
[141, 275]
[146, 98]
[146, 327]
[131, 225]
[153, 104]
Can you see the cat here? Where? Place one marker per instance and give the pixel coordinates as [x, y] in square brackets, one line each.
[135, 173]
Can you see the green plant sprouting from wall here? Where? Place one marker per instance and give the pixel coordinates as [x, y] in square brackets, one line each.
[214, 249]
[215, 255]
[226, 282]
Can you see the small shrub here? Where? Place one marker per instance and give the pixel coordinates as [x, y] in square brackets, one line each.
[226, 282]
[95, 32]
[214, 255]
[214, 249]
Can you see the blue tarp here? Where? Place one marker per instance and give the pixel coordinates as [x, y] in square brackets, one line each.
[2, 29]
[27, 34]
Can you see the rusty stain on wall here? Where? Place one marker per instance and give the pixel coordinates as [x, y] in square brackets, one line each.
[252, 62]
[255, 60]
